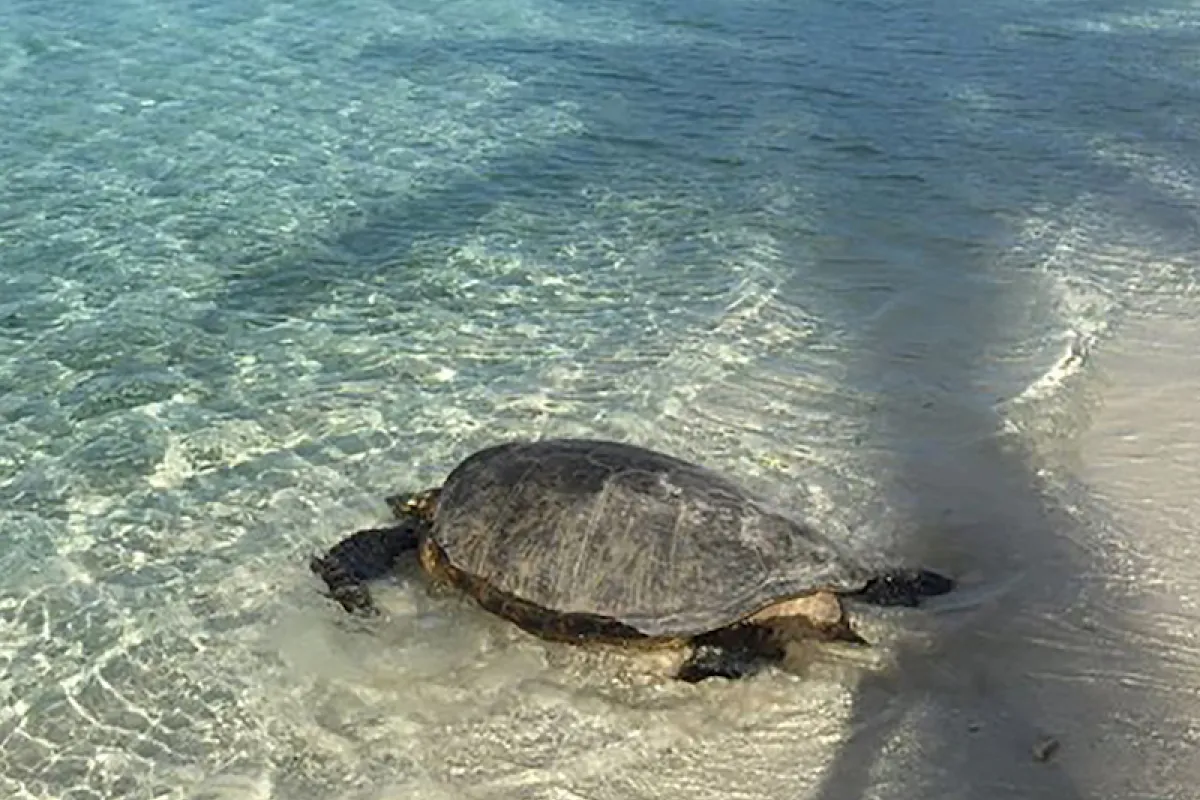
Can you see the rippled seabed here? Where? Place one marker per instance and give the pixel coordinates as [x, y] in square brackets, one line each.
[263, 263]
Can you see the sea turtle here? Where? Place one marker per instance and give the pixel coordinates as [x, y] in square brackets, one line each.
[583, 540]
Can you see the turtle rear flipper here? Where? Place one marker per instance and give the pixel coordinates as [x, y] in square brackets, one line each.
[733, 653]
[363, 556]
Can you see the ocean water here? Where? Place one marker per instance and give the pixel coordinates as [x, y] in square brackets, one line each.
[263, 263]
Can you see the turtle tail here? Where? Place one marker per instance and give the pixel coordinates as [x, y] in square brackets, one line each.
[904, 587]
[363, 556]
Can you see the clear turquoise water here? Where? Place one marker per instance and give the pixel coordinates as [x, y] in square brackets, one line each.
[262, 263]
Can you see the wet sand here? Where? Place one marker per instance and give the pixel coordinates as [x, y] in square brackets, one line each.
[1068, 668]
[1141, 460]
[1071, 666]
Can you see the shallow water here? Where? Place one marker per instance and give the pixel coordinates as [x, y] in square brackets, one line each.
[918, 272]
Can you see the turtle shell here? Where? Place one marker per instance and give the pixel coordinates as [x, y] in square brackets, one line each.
[616, 531]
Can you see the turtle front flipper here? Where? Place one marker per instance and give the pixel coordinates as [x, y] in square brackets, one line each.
[363, 556]
[904, 587]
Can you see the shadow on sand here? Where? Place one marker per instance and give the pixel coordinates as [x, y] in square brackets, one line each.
[1021, 693]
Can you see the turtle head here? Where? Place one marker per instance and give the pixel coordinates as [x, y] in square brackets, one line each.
[419, 505]
[904, 587]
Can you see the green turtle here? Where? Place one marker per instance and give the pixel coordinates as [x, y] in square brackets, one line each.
[582, 540]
